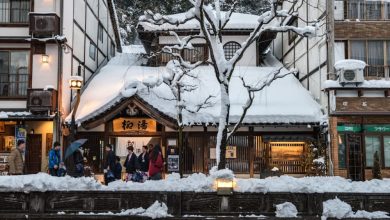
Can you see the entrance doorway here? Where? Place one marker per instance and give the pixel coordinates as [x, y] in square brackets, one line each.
[355, 162]
[287, 156]
[33, 153]
[121, 143]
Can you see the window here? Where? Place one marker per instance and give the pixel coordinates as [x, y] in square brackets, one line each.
[14, 11]
[92, 51]
[373, 145]
[373, 53]
[100, 33]
[230, 49]
[386, 146]
[342, 151]
[198, 53]
[14, 68]
[367, 9]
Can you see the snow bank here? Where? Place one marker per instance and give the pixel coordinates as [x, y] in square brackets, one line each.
[335, 208]
[10, 114]
[44, 182]
[156, 210]
[286, 210]
[198, 182]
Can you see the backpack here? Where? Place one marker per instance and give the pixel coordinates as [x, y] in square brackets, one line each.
[137, 177]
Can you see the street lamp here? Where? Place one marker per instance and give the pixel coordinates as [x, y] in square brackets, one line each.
[75, 83]
[225, 186]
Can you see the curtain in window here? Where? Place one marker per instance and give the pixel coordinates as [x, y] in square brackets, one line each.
[358, 50]
[373, 144]
[355, 9]
[387, 10]
[19, 11]
[342, 152]
[375, 58]
[18, 76]
[386, 144]
[4, 11]
[4, 67]
[373, 10]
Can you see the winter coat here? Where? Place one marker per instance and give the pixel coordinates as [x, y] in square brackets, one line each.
[78, 161]
[156, 166]
[15, 162]
[110, 160]
[54, 158]
[118, 171]
[143, 161]
[131, 164]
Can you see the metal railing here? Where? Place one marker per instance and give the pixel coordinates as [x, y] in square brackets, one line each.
[14, 12]
[362, 10]
[376, 72]
[13, 85]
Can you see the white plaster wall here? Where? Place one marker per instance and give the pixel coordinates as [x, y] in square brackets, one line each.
[92, 26]
[79, 13]
[99, 128]
[13, 45]
[374, 93]
[47, 6]
[103, 14]
[14, 32]
[94, 5]
[78, 43]
[45, 73]
[4, 104]
[347, 93]
[88, 60]
[103, 45]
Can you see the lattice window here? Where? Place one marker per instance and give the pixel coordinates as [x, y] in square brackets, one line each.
[230, 49]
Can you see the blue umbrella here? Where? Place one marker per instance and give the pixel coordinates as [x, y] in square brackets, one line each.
[74, 146]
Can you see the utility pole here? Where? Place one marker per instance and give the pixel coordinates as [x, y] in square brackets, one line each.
[330, 38]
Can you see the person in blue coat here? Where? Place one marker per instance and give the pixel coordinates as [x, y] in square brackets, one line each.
[54, 159]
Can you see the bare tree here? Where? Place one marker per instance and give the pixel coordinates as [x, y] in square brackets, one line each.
[212, 22]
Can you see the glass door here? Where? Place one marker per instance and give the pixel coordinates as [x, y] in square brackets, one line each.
[355, 163]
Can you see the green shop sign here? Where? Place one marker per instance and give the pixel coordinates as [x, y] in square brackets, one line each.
[377, 128]
[349, 128]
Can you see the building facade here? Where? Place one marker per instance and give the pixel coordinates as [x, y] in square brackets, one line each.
[42, 43]
[357, 106]
[127, 113]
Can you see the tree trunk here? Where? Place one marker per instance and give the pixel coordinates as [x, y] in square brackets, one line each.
[181, 151]
[222, 162]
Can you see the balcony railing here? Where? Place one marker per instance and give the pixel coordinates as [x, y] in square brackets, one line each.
[376, 72]
[362, 10]
[13, 85]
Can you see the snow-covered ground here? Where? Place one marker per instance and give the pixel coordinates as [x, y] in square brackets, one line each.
[196, 182]
[335, 208]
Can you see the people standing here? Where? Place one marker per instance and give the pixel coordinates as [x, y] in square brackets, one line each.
[130, 162]
[61, 170]
[78, 161]
[118, 168]
[109, 163]
[155, 163]
[143, 159]
[54, 159]
[15, 159]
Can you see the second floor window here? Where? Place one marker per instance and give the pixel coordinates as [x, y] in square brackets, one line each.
[198, 53]
[230, 48]
[14, 11]
[367, 9]
[374, 53]
[92, 51]
[100, 33]
[14, 73]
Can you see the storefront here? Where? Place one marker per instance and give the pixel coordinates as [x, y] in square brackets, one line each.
[38, 135]
[357, 144]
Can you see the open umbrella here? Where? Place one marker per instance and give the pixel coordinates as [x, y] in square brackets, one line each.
[74, 146]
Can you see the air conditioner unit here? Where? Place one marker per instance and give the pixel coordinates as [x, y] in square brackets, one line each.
[41, 101]
[44, 25]
[350, 71]
[355, 76]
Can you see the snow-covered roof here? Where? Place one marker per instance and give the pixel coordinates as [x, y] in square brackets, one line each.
[134, 49]
[284, 101]
[371, 84]
[237, 21]
[4, 114]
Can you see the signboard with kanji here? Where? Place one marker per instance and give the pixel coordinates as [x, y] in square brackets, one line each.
[134, 125]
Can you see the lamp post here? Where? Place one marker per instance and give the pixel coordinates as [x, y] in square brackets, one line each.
[75, 83]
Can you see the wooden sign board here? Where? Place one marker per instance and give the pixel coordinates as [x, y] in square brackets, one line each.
[134, 125]
[231, 152]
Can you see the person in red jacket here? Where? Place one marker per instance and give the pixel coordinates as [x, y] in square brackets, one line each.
[155, 163]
